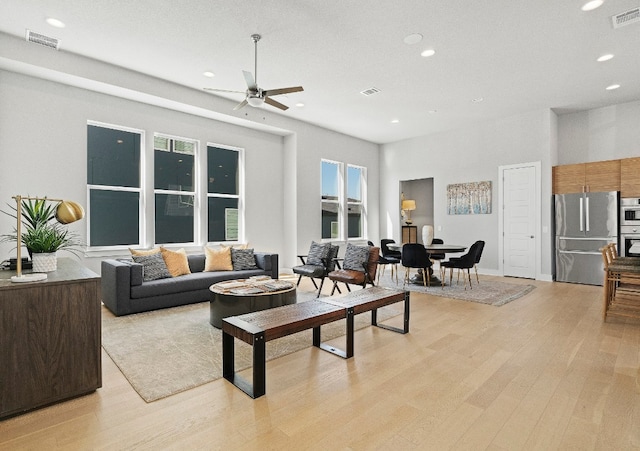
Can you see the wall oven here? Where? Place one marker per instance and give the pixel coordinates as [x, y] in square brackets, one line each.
[630, 212]
[629, 235]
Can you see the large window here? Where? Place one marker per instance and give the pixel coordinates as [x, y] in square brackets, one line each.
[334, 206]
[331, 199]
[223, 193]
[179, 196]
[113, 183]
[356, 205]
[174, 189]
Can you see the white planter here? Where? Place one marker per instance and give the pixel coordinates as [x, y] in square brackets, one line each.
[44, 262]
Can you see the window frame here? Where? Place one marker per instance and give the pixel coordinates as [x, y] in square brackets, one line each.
[339, 202]
[140, 190]
[170, 192]
[362, 203]
[239, 196]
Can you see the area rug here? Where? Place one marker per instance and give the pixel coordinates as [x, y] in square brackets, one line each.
[172, 350]
[491, 292]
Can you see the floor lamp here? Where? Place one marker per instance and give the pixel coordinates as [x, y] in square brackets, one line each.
[66, 213]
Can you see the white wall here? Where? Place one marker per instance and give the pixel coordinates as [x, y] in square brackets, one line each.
[608, 133]
[47, 97]
[469, 155]
[44, 136]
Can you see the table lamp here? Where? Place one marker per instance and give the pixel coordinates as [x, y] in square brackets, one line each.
[408, 205]
[66, 213]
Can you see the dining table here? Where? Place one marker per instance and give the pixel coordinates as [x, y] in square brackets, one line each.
[433, 248]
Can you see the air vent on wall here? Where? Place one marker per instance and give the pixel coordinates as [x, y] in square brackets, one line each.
[47, 41]
[626, 18]
[370, 91]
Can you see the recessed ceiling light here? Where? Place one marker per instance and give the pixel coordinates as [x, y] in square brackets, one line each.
[593, 4]
[55, 22]
[413, 38]
[209, 74]
[606, 57]
[477, 100]
[612, 87]
[432, 111]
[395, 121]
[428, 52]
[299, 104]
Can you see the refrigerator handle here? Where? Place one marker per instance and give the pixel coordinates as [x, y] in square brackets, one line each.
[587, 212]
[581, 216]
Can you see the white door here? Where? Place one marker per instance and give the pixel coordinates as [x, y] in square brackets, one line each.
[519, 227]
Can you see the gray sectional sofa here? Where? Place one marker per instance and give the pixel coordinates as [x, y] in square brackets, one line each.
[124, 292]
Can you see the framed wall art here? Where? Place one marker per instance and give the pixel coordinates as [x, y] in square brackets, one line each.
[469, 198]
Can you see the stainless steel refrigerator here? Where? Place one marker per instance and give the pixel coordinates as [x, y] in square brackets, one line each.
[585, 222]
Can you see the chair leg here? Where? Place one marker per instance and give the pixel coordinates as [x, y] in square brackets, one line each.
[424, 279]
[321, 283]
[428, 275]
[299, 279]
[475, 268]
[335, 285]
[406, 277]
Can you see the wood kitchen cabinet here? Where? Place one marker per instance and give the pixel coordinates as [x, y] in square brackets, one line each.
[587, 177]
[630, 177]
[50, 338]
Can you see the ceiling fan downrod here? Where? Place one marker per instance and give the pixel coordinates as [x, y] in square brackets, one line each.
[256, 38]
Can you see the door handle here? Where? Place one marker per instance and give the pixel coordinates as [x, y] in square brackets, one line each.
[581, 217]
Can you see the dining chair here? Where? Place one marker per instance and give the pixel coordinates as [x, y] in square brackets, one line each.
[435, 257]
[414, 255]
[388, 257]
[467, 261]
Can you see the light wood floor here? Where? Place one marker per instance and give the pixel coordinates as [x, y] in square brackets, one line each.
[542, 372]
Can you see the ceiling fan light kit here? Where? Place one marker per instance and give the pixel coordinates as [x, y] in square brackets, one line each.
[254, 96]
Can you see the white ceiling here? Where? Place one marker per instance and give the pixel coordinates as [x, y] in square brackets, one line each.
[517, 55]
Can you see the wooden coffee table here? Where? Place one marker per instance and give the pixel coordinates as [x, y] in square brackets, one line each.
[237, 297]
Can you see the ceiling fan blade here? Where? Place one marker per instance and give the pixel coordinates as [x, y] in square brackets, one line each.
[275, 92]
[240, 105]
[222, 90]
[251, 83]
[276, 104]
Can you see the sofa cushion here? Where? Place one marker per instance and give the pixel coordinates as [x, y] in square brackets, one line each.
[243, 259]
[195, 281]
[177, 262]
[153, 267]
[218, 259]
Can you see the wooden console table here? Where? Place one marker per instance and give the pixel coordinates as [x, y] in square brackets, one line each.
[259, 327]
[50, 338]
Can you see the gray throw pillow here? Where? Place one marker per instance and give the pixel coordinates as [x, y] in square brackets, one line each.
[243, 259]
[317, 252]
[355, 257]
[153, 267]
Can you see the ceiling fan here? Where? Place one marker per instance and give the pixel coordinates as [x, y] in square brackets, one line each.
[254, 95]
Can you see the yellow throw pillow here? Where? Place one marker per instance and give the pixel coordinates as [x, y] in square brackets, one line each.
[143, 252]
[176, 261]
[218, 259]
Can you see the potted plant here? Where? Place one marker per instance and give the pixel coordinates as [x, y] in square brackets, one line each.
[42, 235]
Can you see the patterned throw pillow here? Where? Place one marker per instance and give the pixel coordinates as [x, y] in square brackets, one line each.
[243, 259]
[177, 261]
[355, 257]
[317, 252]
[153, 266]
[217, 259]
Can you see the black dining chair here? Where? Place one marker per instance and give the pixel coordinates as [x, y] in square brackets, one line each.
[467, 262]
[414, 255]
[388, 257]
[435, 257]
